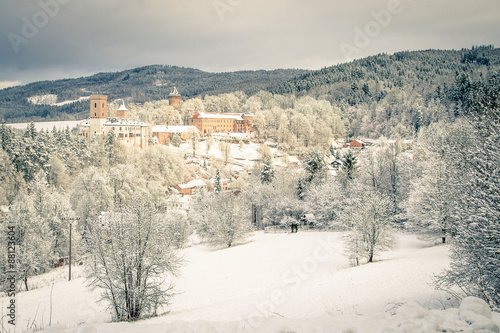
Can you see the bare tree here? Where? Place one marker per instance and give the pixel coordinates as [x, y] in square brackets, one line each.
[368, 219]
[221, 218]
[134, 257]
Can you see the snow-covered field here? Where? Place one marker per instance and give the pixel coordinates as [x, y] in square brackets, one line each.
[277, 283]
[48, 125]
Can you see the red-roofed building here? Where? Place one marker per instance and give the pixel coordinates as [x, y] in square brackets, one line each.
[208, 123]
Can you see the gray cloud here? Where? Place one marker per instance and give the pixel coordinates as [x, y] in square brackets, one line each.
[85, 37]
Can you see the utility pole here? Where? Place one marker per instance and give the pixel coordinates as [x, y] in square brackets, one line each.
[71, 219]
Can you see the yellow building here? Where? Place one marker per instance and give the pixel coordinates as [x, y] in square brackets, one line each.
[163, 134]
[208, 123]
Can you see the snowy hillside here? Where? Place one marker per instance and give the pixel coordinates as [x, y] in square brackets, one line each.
[276, 283]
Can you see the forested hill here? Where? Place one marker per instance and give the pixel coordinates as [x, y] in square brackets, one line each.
[429, 73]
[406, 85]
[139, 85]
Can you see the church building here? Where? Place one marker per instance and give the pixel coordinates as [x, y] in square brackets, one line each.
[129, 132]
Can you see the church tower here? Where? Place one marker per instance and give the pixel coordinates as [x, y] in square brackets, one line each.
[174, 98]
[98, 114]
[122, 112]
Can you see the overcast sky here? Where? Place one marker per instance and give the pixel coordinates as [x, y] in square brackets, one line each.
[52, 39]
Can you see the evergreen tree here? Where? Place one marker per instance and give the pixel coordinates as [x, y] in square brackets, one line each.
[111, 147]
[315, 167]
[217, 183]
[30, 131]
[176, 140]
[349, 165]
[267, 174]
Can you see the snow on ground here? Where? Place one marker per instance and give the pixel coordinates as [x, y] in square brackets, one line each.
[277, 283]
[244, 155]
[48, 125]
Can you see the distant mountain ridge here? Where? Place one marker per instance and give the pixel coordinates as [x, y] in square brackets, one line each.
[429, 73]
[139, 85]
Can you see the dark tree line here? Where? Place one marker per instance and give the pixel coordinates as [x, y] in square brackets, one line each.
[139, 85]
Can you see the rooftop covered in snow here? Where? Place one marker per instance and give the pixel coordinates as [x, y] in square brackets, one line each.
[174, 129]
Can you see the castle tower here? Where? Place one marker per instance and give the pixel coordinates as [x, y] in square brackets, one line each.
[98, 114]
[174, 98]
[122, 112]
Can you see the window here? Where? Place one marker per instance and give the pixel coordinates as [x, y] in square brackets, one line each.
[95, 105]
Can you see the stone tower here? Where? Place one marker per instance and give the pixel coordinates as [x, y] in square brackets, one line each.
[122, 112]
[174, 98]
[98, 114]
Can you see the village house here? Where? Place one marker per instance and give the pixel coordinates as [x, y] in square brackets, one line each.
[163, 134]
[224, 184]
[208, 123]
[178, 202]
[192, 187]
[357, 144]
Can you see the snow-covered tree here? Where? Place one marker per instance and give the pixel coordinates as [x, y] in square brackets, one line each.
[124, 181]
[112, 148]
[57, 173]
[277, 198]
[33, 238]
[134, 257]
[222, 219]
[178, 229]
[349, 166]
[315, 165]
[267, 173]
[474, 149]
[324, 200]
[217, 183]
[368, 218]
[316, 168]
[91, 195]
[432, 202]
[10, 180]
[387, 170]
[176, 140]
[160, 164]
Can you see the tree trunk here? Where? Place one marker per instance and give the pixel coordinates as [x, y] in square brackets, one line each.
[443, 237]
